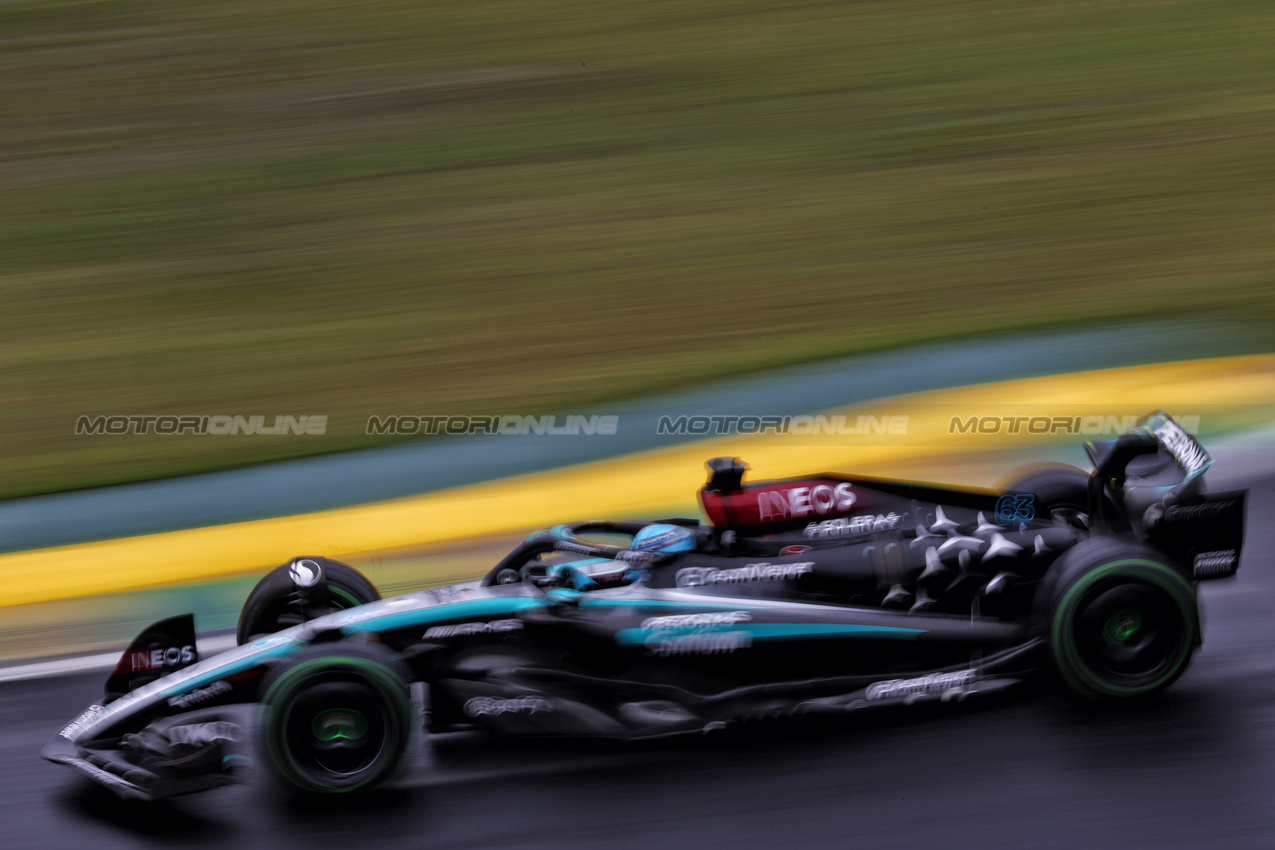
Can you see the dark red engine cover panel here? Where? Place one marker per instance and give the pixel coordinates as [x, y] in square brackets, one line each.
[782, 504]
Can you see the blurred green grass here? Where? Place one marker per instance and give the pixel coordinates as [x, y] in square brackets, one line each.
[349, 209]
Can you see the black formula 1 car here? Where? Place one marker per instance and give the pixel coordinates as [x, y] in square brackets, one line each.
[822, 595]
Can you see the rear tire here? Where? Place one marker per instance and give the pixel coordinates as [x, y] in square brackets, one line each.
[336, 719]
[1121, 623]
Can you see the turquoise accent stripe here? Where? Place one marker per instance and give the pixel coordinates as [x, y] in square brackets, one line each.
[771, 631]
[445, 612]
[234, 668]
[657, 603]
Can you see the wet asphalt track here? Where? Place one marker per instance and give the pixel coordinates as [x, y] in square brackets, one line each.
[1196, 770]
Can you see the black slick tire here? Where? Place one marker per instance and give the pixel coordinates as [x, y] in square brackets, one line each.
[272, 605]
[1121, 622]
[336, 719]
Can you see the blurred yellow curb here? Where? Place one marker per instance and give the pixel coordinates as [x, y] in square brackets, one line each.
[637, 485]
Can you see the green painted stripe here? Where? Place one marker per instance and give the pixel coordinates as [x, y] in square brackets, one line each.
[640, 483]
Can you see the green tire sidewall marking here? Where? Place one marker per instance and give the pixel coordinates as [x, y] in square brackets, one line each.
[344, 595]
[377, 675]
[1062, 638]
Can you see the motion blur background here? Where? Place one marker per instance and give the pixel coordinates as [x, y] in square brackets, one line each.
[487, 207]
[524, 206]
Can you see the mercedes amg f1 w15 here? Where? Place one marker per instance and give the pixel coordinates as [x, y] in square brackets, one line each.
[819, 595]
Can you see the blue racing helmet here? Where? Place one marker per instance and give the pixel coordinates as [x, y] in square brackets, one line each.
[662, 537]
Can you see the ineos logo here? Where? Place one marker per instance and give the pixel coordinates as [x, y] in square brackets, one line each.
[156, 659]
[796, 502]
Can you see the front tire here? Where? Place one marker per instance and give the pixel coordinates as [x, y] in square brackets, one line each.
[301, 590]
[336, 719]
[1120, 622]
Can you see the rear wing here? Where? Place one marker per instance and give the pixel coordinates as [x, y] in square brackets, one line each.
[1157, 429]
[1206, 534]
